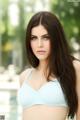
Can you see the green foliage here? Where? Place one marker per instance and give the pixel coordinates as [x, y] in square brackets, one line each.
[68, 13]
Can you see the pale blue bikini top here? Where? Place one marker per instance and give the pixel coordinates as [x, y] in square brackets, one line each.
[50, 94]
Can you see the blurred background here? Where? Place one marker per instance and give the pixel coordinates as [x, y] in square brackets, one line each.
[14, 17]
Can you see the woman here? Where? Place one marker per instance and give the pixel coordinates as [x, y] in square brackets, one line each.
[50, 86]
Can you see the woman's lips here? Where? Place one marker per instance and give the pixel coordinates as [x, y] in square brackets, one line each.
[41, 52]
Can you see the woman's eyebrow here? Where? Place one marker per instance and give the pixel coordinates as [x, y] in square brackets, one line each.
[33, 36]
[45, 35]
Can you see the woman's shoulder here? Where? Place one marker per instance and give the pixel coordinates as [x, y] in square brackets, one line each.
[76, 64]
[77, 69]
[23, 75]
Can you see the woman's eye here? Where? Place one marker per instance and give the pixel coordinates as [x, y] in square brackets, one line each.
[33, 38]
[46, 38]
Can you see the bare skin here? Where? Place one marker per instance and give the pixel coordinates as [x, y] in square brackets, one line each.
[39, 42]
[41, 112]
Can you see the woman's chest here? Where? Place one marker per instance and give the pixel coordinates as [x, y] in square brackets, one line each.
[49, 94]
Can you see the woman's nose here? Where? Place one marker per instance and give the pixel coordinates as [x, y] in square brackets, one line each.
[40, 43]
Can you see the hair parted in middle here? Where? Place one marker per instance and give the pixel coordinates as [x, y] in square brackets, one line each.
[60, 61]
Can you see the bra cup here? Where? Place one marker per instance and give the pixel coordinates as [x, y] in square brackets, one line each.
[26, 95]
[52, 94]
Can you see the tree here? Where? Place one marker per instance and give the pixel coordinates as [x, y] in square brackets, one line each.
[69, 15]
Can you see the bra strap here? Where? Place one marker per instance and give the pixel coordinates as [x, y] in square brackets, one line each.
[28, 74]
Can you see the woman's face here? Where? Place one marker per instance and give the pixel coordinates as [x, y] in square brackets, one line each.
[40, 42]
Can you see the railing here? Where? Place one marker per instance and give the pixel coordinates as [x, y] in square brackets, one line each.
[9, 106]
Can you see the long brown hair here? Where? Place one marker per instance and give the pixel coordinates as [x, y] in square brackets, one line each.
[60, 60]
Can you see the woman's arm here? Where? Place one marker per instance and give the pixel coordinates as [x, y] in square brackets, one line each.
[77, 68]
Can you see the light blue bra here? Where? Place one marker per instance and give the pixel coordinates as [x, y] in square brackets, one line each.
[50, 94]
